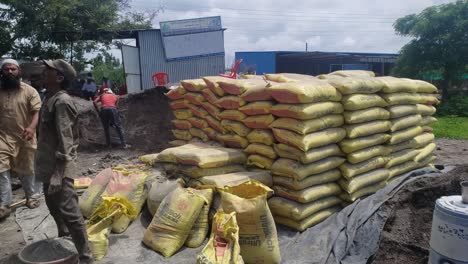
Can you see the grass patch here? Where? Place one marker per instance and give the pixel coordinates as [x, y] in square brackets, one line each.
[451, 127]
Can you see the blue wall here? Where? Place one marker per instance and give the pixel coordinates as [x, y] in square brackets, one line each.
[262, 61]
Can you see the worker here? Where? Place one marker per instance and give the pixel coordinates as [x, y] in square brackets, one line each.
[19, 113]
[89, 89]
[110, 115]
[56, 155]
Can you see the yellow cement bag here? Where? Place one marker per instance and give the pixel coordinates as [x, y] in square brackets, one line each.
[197, 122]
[296, 211]
[425, 110]
[427, 129]
[257, 108]
[223, 245]
[215, 124]
[428, 120]
[236, 178]
[408, 144]
[259, 161]
[234, 115]
[425, 152]
[366, 115]
[405, 134]
[352, 145]
[263, 136]
[363, 192]
[178, 104]
[82, 183]
[400, 157]
[252, 76]
[428, 99]
[160, 188]
[173, 221]
[259, 121]
[214, 111]
[309, 194]
[397, 111]
[308, 126]
[257, 93]
[311, 91]
[198, 111]
[257, 231]
[213, 84]
[233, 141]
[316, 179]
[358, 182]
[298, 171]
[210, 97]
[181, 134]
[367, 129]
[425, 87]
[353, 73]
[368, 153]
[261, 149]
[182, 114]
[362, 101]
[181, 124]
[288, 77]
[195, 85]
[211, 133]
[238, 87]
[231, 102]
[398, 85]
[310, 221]
[170, 154]
[306, 111]
[401, 98]
[349, 170]
[314, 154]
[356, 85]
[194, 98]
[196, 132]
[177, 93]
[236, 127]
[177, 142]
[149, 159]
[200, 228]
[405, 122]
[91, 198]
[409, 166]
[309, 141]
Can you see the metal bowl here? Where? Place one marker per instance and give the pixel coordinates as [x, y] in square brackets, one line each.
[49, 251]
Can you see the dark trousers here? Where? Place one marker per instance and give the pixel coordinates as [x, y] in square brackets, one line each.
[88, 95]
[63, 206]
[110, 116]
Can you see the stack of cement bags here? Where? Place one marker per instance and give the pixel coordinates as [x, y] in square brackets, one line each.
[410, 145]
[366, 127]
[307, 129]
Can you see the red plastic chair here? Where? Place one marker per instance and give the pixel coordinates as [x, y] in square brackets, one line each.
[160, 79]
[234, 70]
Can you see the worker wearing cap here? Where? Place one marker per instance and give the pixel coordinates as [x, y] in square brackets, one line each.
[57, 152]
[19, 113]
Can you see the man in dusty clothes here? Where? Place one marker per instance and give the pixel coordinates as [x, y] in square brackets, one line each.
[57, 152]
[19, 112]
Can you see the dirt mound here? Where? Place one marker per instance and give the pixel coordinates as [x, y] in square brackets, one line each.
[146, 119]
[406, 234]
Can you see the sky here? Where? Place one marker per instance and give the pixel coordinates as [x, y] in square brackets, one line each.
[287, 25]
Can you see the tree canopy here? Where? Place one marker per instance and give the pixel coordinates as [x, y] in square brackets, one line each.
[28, 28]
[439, 44]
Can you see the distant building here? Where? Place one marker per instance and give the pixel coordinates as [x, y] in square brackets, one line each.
[316, 63]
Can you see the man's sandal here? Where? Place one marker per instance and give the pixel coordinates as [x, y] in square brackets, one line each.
[33, 203]
[4, 212]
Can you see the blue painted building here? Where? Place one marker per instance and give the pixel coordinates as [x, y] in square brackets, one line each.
[260, 62]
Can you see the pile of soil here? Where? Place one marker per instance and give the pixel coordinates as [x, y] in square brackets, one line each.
[406, 234]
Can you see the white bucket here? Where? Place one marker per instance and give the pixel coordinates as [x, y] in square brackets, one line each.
[449, 234]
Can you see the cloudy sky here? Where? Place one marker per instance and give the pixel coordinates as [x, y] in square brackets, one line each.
[325, 25]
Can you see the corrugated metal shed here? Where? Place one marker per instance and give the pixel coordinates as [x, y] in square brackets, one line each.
[259, 61]
[153, 59]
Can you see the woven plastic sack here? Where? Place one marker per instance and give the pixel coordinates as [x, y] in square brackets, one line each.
[182, 114]
[306, 111]
[223, 245]
[309, 141]
[234, 115]
[316, 179]
[91, 198]
[233, 141]
[308, 126]
[362, 101]
[353, 73]
[194, 98]
[263, 136]
[428, 129]
[259, 161]
[356, 85]
[368, 153]
[177, 93]
[215, 124]
[309, 194]
[397, 111]
[182, 134]
[296, 211]
[428, 120]
[257, 231]
[367, 129]
[231, 102]
[259, 121]
[425, 87]
[311, 91]
[401, 98]
[261, 149]
[408, 144]
[352, 145]
[236, 178]
[170, 154]
[257, 108]
[181, 124]
[173, 221]
[150, 159]
[178, 104]
[195, 85]
[425, 152]
[368, 190]
[213, 110]
[349, 170]
[213, 84]
[197, 172]
[299, 171]
[307, 222]
[401, 156]
[358, 182]
[405, 122]
[177, 142]
[257, 93]
[238, 87]
[236, 127]
[210, 97]
[428, 99]
[198, 111]
[160, 188]
[211, 133]
[425, 110]
[405, 134]
[398, 85]
[200, 228]
[197, 122]
[366, 115]
[288, 77]
[314, 154]
[400, 169]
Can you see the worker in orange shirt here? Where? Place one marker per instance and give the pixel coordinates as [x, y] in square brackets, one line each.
[110, 115]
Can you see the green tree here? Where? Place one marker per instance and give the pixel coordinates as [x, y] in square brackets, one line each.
[439, 44]
[106, 65]
[38, 29]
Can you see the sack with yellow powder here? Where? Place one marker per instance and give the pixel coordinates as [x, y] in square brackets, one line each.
[201, 226]
[91, 198]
